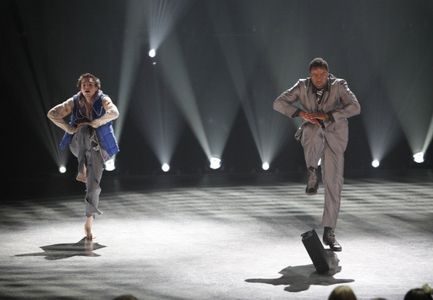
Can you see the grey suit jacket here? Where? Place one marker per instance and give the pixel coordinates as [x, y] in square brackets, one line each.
[337, 100]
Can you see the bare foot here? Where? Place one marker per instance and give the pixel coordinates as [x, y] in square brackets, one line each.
[82, 175]
[88, 228]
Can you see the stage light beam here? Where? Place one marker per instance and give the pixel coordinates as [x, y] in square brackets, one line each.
[179, 83]
[375, 163]
[165, 167]
[110, 165]
[62, 169]
[152, 52]
[265, 166]
[418, 157]
[268, 128]
[215, 163]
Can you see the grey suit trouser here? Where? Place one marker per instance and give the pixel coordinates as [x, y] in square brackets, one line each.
[327, 144]
[84, 146]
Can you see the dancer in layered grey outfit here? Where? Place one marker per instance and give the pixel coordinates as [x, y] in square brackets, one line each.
[89, 135]
[324, 102]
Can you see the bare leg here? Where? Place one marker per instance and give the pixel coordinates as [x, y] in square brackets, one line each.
[88, 228]
[82, 175]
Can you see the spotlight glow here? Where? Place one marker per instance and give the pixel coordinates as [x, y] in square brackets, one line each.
[62, 169]
[215, 163]
[375, 163]
[152, 52]
[418, 157]
[109, 165]
[265, 166]
[165, 167]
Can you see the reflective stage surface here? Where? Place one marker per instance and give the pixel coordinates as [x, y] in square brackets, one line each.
[237, 241]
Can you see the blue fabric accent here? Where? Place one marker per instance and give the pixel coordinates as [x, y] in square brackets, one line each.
[66, 140]
[105, 133]
[107, 139]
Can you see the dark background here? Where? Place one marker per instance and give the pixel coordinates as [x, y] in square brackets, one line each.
[384, 49]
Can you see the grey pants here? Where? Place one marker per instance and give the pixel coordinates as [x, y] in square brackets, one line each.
[328, 145]
[88, 154]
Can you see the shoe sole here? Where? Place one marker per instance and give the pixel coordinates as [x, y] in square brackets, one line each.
[311, 193]
[332, 248]
[314, 190]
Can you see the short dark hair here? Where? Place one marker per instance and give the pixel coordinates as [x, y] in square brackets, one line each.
[318, 62]
[89, 75]
[342, 292]
[417, 294]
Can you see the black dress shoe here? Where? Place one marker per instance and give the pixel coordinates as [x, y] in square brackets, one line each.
[313, 182]
[330, 240]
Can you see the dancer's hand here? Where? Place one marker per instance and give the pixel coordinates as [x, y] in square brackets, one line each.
[309, 117]
[91, 124]
[320, 116]
[71, 129]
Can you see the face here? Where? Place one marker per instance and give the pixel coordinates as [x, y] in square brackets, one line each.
[319, 77]
[88, 87]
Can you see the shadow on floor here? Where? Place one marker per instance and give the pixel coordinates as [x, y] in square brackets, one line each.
[300, 278]
[83, 247]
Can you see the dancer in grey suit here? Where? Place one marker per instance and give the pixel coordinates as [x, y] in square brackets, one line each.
[324, 102]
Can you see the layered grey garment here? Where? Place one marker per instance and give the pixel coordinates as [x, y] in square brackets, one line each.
[85, 147]
[328, 141]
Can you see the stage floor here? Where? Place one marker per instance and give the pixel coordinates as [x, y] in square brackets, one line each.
[217, 242]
